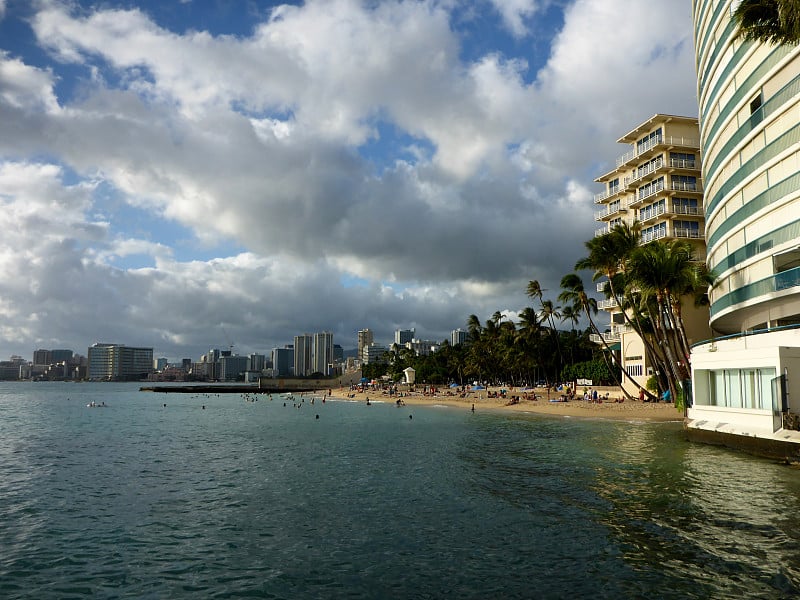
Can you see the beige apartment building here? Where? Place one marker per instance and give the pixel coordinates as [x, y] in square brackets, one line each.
[658, 183]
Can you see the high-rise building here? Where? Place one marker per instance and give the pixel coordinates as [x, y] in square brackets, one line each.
[323, 353]
[283, 361]
[744, 381]
[42, 357]
[457, 336]
[256, 362]
[303, 346]
[231, 367]
[365, 338]
[657, 183]
[59, 355]
[373, 353]
[119, 362]
[401, 336]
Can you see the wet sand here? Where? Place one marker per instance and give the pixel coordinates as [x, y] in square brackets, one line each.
[607, 409]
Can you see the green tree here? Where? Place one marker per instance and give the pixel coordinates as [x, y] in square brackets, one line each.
[663, 274]
[769, 21]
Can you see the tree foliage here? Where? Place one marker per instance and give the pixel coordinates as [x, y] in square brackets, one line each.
[769, 21]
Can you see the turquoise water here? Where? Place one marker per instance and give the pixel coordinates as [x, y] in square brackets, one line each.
[254, 499]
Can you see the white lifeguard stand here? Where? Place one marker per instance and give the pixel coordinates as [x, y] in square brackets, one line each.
[410, 375]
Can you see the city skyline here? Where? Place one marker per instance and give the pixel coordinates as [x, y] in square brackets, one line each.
[189, 175]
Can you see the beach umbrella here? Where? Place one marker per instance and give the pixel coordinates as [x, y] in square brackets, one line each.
[454, 385]
[478, 387]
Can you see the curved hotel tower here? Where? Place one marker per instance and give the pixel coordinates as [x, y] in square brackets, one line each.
[746, 382]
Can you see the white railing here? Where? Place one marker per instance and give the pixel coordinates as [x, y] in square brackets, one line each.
[650, 144]
[644, 171]
[647, 214]
[611, 209]
[682, 232]
[686, 210]
[607, 304]
[609, 337]
[601, 231]
[682, 186]
[649, 236]
[656, 187]
[598, 198]
[682, 163]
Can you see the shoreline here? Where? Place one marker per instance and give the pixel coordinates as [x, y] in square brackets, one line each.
[607, 409]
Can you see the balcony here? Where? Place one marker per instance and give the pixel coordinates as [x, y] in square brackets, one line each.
[680, 163]
[652, 190]
[643, 172]
[694, 211]
[609, 304]
[645, 149]
[609, 211]
[609, 337]
[602, 196]
[680, 186]
[650, 236]
[683, 232]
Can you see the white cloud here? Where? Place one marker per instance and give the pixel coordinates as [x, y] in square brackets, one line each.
[25, 87]
[264, 141]
[514, 13]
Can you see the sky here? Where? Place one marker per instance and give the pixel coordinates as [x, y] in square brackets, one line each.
[197, 174]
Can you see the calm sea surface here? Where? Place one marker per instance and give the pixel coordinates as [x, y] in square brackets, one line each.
[254, 499]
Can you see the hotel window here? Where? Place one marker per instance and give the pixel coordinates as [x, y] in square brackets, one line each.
[613, 186]
[686, 229]
[648, 141]
[634, 370]
[756, 113]
[682, 160]
[685, 206]
[687, 183]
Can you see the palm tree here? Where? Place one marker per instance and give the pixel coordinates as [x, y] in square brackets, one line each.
[569, 313]
[574, 293]
[548, 311]
[769, 21]
[664, 273]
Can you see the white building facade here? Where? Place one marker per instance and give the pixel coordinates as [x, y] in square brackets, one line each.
[746, 381]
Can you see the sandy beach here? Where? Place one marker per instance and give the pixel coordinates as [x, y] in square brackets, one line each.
[607, 409]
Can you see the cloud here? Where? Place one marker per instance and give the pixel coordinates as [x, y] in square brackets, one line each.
[363, 172]
[515, 12]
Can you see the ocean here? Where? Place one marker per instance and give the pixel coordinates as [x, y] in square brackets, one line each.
[154, 496]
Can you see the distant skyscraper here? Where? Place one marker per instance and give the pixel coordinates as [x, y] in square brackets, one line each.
[282, 361]
[61, 355]
[373, 353]
[303, 345]
[160, 363]
[231, 367]
[256, 362]
[323, 353]
[401, 336]
[364, 340]
[457, 336]
[119, 362]
[42, 357]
